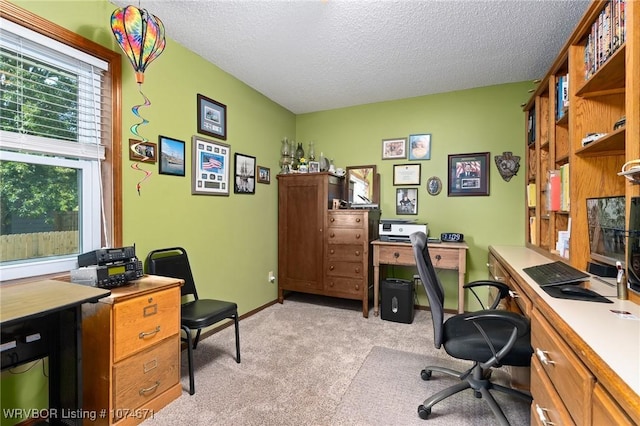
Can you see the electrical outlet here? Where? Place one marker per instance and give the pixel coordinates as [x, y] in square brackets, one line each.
[271, 277]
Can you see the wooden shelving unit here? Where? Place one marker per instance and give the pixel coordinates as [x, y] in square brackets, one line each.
[595, 104]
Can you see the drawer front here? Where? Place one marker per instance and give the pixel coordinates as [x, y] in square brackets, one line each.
[520, 298]
[606, 410]
[396, 255]
[337, 286]
[571, 379]
[547, 405]
[146, 375]
[351, 220]
[345, 269]
[144, 321]
[443, 258]
[346, 236]
[346, 252]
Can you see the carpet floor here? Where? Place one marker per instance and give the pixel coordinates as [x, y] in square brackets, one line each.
[316, 361]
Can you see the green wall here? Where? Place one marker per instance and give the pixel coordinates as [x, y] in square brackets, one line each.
[487, 119]
[232, 241]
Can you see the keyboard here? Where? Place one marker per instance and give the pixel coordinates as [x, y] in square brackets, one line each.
[555, 273]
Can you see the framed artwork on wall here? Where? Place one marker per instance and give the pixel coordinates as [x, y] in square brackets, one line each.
[394, 149]
[145, 152]
[171, 156]
[212, 118]
[264, 174]
[245, 174]
[406, 174]
[407, 201]
[210, 168]
[420, 147]
[468, 174]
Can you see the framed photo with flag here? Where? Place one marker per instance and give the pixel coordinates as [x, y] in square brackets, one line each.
[210, 170]
[468, 174]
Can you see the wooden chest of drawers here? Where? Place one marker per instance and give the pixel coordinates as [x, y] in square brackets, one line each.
[131, 347]
[348, 266]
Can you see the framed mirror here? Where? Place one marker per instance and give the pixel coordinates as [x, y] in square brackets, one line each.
[363, 185]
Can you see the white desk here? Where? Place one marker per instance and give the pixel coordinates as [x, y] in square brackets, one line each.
[607, 344]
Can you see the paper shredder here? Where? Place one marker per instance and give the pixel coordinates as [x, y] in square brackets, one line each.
[397, 300]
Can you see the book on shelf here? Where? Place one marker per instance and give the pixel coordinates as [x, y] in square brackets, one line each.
[606, 36]
[554, 190]
[531, 128]
[533, 232]
[531, 195]
[562, 96]
[565, 202]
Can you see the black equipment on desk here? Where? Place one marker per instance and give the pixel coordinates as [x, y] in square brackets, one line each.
[108, 268]
[555, 273]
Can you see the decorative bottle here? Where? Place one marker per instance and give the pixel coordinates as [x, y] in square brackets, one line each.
[285, 159]
[312, 151]
[299, 153]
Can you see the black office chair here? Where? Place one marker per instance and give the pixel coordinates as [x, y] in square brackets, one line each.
[490, 338]
[196, 313]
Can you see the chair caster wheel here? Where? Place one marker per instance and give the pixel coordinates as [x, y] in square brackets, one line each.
[423, 412]
[477, 394]
[425, 374]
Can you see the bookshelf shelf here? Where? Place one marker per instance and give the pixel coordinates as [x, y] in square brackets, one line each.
[611, 144]
[610, 78]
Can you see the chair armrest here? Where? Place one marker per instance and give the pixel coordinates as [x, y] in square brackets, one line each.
[503, 291]
[520, 327]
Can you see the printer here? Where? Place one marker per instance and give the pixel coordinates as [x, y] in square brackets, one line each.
[398, 230]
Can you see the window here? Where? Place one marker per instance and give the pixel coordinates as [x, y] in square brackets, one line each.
[59, 170]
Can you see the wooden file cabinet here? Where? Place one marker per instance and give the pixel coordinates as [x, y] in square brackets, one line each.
[131, 347]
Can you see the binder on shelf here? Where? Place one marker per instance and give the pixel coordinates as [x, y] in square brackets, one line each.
[533, 232]
[531, 195]
[554, 190]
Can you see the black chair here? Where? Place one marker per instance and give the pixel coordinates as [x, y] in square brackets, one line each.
[490, 338]
[196, 313]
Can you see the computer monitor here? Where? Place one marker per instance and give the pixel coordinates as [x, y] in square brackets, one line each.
[633, 262]
[606, 220]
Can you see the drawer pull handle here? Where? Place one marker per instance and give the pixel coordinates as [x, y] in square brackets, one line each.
[543, 416]
[331, 284]
[333, 219]
[396, 255]
[513, 294]
[357, 252]
[149, 389]
[150, 310]
[357, 270]
[332, 234]
[331, 268]
[332, 251]
[148, 366]
[500, 279]
[358, 220]
[438, 257]
[542, 356]
[357, 236]
[144, 334]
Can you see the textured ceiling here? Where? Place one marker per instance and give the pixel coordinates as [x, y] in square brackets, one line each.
[313, 55]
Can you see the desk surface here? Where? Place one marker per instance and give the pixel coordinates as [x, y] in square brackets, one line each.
[22, 301]
[616, 341]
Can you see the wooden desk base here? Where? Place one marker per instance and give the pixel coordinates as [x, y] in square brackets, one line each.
[443, 255]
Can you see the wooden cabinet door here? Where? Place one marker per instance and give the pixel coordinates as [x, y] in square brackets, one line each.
[302, 203]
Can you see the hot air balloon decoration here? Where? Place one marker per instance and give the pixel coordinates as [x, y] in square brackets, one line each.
[141, 37]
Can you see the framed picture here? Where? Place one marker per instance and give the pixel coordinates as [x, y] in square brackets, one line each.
[393, 149]
[314, 166]
[212, 118]
[171, 156]
[245, 174]
[264, 175]
[469, 174]
[406, 174]
[145, 152]
[210, 170]
[407, 201]
[420, 147]
[434, 185]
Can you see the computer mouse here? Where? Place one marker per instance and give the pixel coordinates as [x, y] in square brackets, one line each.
[577, 291]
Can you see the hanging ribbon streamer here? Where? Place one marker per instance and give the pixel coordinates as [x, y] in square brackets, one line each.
[134, 130]
[141, 37]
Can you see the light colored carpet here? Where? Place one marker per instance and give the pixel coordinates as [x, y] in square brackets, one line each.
[388, 389]
[309, 361]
